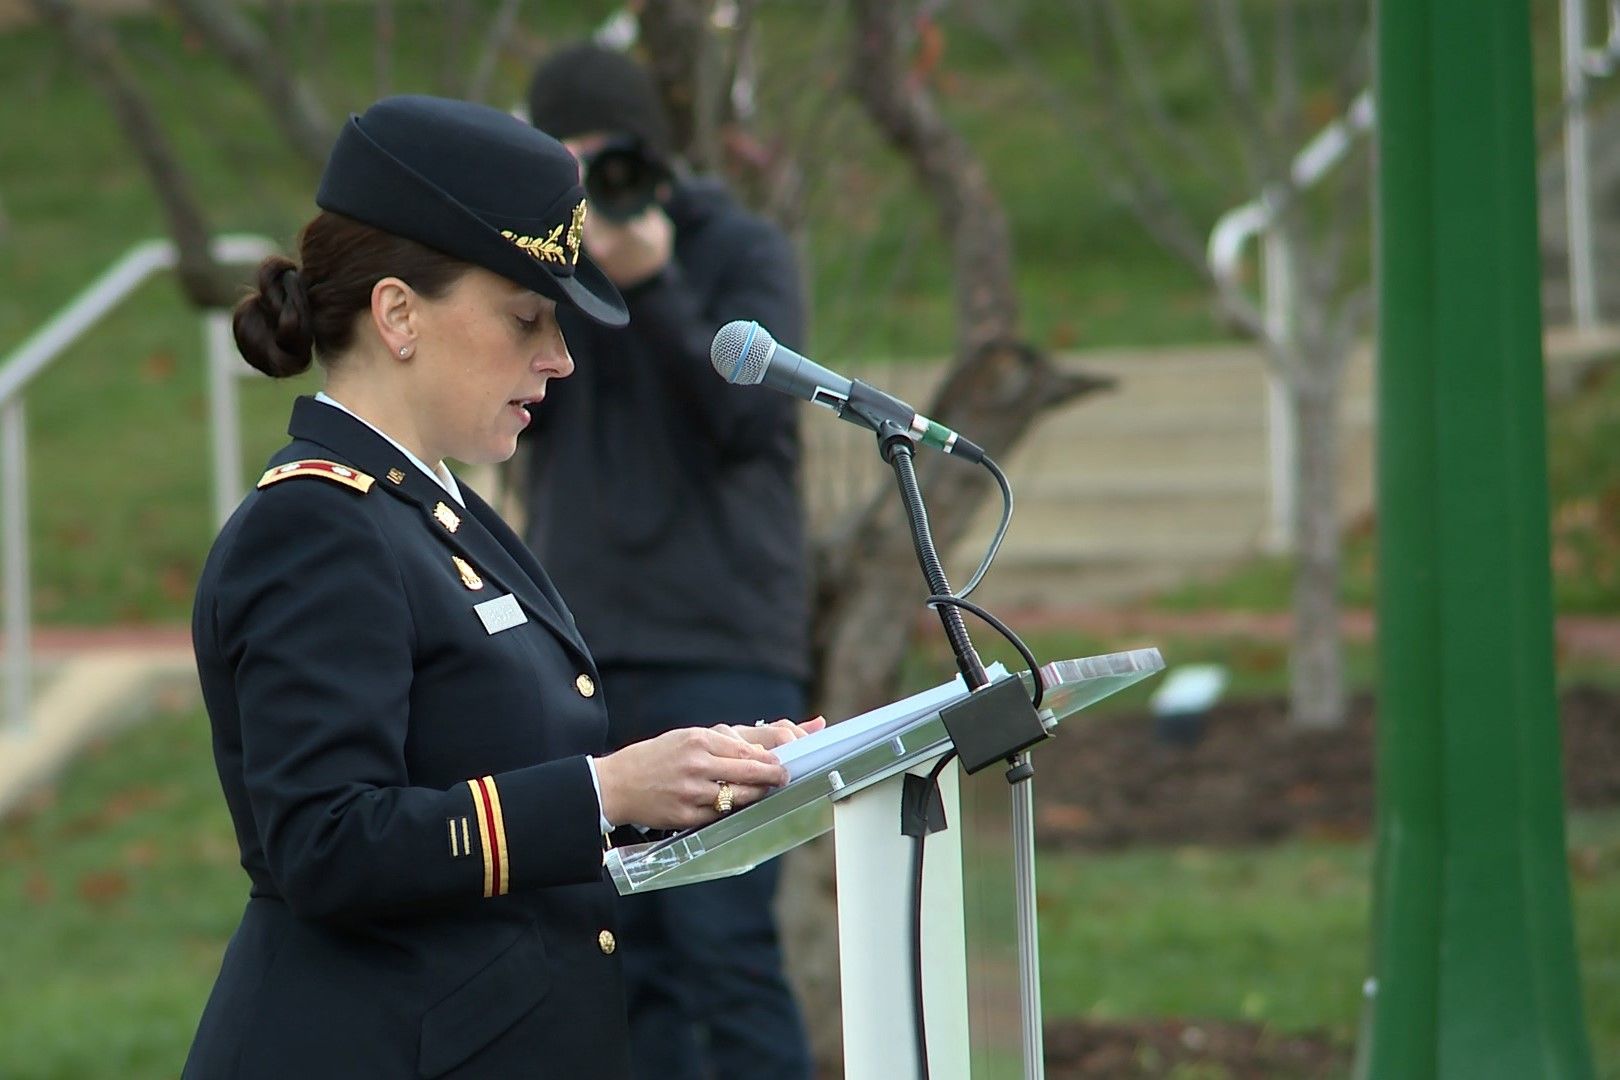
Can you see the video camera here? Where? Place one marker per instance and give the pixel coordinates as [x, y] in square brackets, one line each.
[622, 179]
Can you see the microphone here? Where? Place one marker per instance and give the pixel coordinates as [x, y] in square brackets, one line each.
[744, 353]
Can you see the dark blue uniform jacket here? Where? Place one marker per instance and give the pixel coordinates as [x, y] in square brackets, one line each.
[409, 788]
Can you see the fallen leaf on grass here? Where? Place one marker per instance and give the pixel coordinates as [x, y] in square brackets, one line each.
[37, 889]
[118, 808]
[103, 887]
[1064, 816]
[140, 853]
[157, 367]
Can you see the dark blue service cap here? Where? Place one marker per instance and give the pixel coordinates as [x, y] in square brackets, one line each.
[476, 183]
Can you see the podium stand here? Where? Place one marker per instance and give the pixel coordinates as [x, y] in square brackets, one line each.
[980, 973]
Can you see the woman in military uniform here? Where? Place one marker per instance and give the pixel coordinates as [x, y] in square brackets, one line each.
[405, 719]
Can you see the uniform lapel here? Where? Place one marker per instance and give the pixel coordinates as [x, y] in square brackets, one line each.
[472, 533]
[519, 553]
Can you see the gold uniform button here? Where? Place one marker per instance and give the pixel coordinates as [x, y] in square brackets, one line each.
[605, 939]
[585, 686]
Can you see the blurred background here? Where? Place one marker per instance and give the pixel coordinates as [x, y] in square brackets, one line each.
[1129, 239]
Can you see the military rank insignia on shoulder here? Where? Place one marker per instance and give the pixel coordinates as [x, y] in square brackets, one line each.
[326, 470]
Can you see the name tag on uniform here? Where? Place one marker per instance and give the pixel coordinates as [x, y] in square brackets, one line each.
[501, 613]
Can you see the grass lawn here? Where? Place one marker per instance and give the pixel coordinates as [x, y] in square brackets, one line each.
[117, 895]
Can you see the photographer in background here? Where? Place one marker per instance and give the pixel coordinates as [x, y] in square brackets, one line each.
[665, 502]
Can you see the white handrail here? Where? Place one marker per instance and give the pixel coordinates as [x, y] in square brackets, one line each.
[1242, 223]
[140, 262]
[38, 352]
[1232, 231]
[1580, 65]
[1601, 62]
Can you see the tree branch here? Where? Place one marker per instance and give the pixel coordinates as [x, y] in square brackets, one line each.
[1145, 191]
[293, 106]
[204, 281]
[1134, 66]
[1230, 46]
[452, 42]
[500, 31]
[1287, 114]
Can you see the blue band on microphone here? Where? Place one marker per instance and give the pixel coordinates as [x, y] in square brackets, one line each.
[748, 343]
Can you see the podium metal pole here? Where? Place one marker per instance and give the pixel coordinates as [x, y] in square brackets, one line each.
[1029, 957]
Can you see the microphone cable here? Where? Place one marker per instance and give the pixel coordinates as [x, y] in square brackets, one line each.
[959, 599]
[1001, 529]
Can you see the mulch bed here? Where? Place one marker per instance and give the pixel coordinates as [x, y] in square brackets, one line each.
[1149, 1049]
[1109, 781]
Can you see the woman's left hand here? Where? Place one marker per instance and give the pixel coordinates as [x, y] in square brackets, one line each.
[774, 734]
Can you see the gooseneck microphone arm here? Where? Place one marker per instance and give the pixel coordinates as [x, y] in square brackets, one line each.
[898, 448]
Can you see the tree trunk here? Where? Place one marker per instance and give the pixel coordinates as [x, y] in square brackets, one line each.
[676, 34]
[1316, 690]
[869, 587]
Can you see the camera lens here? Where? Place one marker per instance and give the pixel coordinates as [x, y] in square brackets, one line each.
[621, 181]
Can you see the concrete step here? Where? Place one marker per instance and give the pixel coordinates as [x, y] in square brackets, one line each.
[1050, 551]
[1215, 520]
[1138, 486]
[1145, 449]
[1165, 477]
[1071, 583]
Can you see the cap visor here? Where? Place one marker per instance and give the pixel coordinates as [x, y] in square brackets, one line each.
[593, 294]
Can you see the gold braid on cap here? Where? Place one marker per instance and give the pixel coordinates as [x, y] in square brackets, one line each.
[551, 247]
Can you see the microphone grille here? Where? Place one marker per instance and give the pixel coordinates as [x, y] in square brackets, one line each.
[740, 352]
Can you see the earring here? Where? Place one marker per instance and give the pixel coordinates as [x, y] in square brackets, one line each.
[404, 350]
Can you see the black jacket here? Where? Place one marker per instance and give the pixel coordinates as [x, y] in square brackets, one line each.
[663, 500]
[409, 789]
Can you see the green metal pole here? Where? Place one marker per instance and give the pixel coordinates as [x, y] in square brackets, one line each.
[1473, 949]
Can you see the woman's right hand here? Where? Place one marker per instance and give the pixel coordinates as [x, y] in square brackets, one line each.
[672, 781]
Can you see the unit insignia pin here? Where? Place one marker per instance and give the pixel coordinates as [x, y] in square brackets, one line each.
[469, 576]
[396, 476]
[446, 517]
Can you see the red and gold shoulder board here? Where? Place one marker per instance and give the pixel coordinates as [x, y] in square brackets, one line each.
[326, 470]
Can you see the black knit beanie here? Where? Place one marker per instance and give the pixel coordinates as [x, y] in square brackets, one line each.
[586, 88]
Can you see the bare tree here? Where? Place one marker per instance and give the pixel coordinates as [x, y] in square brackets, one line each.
[997, 385]
[1143, 148]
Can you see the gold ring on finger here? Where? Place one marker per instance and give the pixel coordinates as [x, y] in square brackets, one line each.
[722, 801]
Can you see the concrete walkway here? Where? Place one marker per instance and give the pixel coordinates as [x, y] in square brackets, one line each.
[88, 683]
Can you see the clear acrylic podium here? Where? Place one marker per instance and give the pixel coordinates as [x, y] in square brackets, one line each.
[981, 985]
